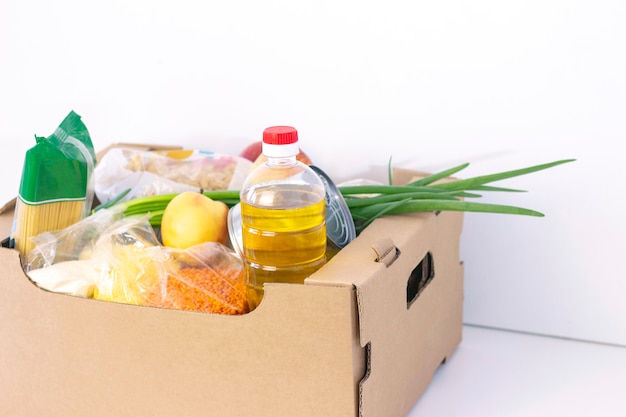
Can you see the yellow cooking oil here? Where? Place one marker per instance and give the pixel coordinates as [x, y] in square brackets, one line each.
[284, 241]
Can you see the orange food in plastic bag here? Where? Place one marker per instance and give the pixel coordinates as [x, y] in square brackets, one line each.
[207, 289]
[209, 278]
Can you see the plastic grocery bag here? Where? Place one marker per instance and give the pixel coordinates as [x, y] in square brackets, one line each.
[60, 260]
[102, 256]
[114, 258]
[207, 277]
[75, 242]
[147, 173]
[70, 277]
[129, 263]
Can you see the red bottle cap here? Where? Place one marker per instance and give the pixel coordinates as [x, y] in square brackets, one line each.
[280, 135]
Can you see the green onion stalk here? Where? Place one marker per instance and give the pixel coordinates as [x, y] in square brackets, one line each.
[369, 202]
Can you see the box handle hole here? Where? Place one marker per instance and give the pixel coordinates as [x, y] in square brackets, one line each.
[420, 277]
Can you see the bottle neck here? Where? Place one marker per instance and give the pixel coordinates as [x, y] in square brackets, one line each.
[282, 161]
[281, 155]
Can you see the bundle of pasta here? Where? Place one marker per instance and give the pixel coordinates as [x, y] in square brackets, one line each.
[56, 188]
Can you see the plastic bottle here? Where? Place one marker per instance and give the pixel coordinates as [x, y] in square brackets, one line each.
[282, 215]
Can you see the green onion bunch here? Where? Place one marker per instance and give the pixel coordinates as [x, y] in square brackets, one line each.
[436, 192]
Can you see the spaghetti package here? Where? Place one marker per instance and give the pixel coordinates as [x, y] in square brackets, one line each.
[56, 188]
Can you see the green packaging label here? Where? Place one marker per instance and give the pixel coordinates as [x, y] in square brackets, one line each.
[59, 167]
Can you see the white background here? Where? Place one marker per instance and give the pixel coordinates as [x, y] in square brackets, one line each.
[499, 84]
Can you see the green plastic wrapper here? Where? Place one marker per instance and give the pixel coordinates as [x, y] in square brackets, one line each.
[57, 186]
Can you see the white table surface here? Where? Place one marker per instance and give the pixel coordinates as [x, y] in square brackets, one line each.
[496, 373]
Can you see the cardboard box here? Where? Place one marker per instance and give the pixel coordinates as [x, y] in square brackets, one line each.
[363, 337]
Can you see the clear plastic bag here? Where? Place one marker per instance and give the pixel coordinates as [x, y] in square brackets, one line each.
[129, 263]
[61, 260]
[119, 259]
[207, 277]
[75, 242]
[147, 173]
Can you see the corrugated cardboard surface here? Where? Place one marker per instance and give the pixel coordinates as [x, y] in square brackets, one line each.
[346, 343]
[405, 343]
[67, 356]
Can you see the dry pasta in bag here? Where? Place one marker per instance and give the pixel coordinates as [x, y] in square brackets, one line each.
[137, 173]
[56, 188]
[130, 263]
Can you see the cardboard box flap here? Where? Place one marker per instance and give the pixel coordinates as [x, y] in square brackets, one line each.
[350, 266]
[394, 263]
[408, 278]
[8, 206]
[406, 176]
[6, 219]
[399, 333]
